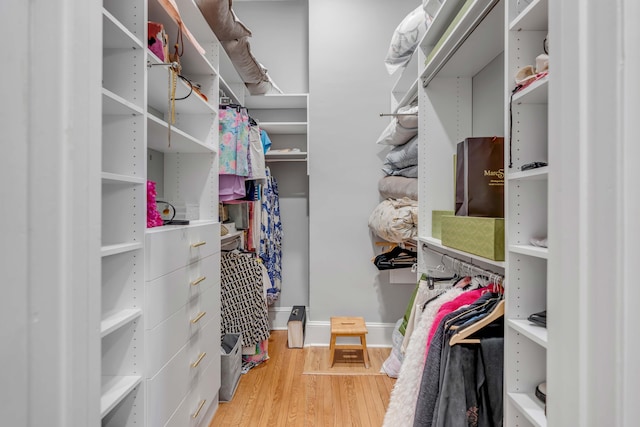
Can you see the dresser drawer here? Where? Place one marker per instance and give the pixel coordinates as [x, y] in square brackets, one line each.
[191, 412]
[183, 374]
[167, 294]
[186, 324]
[169, 249]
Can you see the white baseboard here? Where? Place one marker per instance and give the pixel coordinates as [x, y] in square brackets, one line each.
[318, 333]
[278, 317]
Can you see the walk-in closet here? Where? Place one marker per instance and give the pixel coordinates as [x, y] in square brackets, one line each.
[319, 213]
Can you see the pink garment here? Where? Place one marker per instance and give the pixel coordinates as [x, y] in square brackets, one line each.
[153, 216]
[230, 187]
[463, 299]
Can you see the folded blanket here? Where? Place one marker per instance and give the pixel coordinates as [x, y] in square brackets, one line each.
[395, 220]
[397, 187]
[409, 172]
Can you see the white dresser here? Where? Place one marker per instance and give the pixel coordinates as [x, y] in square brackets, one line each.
[182, 324]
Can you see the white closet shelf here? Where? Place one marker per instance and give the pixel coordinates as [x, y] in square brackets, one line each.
[437, 243]
[409, 96]
[120, 248]
[284, 156]
[476, 39]
[277, 101]
[441, 20]
[115, 389]
[534, 251]
[407, 81]
[114, 178]
[226, 88]
[284, 128]
[532, 18]
[194, 20]
[537, 334]
[538, 174]
[116, 35]
[166, 228]
[117, 320]
[536, 93]
[530, 406]
[113, 104]
[193, 62]
[158, 94]
[181, 142]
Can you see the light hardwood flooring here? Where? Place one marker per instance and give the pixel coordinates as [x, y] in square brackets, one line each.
[276, 393]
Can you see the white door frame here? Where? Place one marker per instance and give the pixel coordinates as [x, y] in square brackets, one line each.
[50, 163]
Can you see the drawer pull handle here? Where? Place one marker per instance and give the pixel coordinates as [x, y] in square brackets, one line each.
[195, 415]
[197, 362]
[198, 317]
[198, 280]
[195, 245]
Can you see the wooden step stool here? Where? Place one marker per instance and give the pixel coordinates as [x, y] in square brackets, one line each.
[348, 327]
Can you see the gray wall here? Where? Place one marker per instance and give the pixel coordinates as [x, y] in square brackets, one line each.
[343, 71]
[279, 40]
[349, 87]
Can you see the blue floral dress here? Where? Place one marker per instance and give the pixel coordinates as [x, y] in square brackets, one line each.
[271, 236]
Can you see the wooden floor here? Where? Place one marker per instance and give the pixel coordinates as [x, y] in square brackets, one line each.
[275, 393]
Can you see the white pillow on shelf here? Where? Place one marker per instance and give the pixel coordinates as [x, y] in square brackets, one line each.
[402, 128]
[405, 39]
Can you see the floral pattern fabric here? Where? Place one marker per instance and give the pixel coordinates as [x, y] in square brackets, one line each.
[234, 141]
[271, 236]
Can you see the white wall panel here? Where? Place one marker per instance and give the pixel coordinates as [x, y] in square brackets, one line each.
[348, 88]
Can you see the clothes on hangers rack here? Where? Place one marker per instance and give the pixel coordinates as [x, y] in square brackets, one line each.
[426, 290]
[452, 379]
[425, 369]
[402, 405]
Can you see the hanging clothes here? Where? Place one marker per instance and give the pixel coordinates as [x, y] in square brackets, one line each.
[231, 187]
[270, 250]
[243, 306]
[434, 401]
[234, 141]
[266, 141]
[402, 402]
[471, 385]
[256, 154]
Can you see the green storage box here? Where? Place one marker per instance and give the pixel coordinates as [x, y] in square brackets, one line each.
[476, 235]
[436, 222]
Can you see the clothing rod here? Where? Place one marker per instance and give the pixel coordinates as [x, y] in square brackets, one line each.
[398, 114]
[285, 160]
[466, 266]
[174, 65]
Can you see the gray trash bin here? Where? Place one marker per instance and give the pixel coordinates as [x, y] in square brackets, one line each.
[230, 367]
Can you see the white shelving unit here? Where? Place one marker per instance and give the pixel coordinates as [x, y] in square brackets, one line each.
[454, 64]
[285, 119]
[138, 310]
[123, 213]
[460, 94]
[526, 209]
